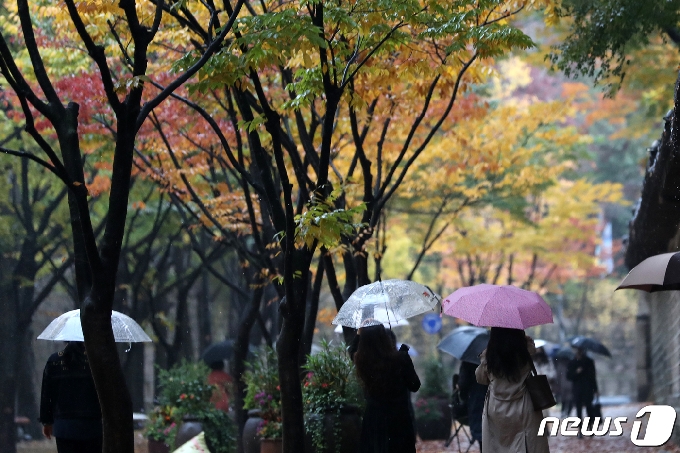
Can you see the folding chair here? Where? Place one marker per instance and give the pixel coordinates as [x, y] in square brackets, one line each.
[459, 418]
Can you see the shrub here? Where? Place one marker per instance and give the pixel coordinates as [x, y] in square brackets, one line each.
[329, 385]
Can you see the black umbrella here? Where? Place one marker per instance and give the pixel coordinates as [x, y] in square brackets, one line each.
[565, 352]
[218, 351]
[465, 343]
[590, 344]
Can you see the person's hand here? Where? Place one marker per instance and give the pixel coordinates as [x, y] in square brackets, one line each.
[47, 431]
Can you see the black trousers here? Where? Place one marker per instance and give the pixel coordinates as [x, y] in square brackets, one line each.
[79, 445]
[587, 402]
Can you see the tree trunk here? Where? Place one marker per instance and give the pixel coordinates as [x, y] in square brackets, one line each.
[288, 348]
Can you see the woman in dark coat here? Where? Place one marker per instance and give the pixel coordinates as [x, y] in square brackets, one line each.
[387, 376]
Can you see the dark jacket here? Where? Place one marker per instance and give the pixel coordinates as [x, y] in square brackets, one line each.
[68, 397]
[584, 384]
[473, 394]
[387, 425]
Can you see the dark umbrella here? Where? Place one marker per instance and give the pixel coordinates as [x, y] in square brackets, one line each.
[218, 351]
[465, 343]
[564, 352]
[656, 273]
[590, 344]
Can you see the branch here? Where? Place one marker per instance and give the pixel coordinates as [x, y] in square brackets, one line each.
[431, 134]
[212, 48]
[96, 53]
[39, 161]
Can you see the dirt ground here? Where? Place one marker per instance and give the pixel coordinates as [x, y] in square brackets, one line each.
[559, 444]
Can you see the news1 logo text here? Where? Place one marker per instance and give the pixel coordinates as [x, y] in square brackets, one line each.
[659, 426]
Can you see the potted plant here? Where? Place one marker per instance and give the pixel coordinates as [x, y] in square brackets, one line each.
[433, 416]
[186, 410]
[332, 398]
[161, 429]
[263, 399]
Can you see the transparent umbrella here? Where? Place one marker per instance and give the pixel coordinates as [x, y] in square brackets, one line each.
[385, 302]
[67, 328]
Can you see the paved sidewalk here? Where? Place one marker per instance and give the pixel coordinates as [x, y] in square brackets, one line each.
[561, 444]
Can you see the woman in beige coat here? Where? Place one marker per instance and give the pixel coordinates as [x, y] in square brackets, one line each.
[509, 422]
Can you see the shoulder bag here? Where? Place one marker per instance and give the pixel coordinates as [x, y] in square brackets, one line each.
[539, 389]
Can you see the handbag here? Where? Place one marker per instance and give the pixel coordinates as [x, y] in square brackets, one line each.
[539, 389]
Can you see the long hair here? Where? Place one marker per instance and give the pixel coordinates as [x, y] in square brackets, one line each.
[507, 353]
[375, 358]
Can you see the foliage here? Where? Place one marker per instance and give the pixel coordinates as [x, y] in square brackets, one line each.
[185, 387]
[220, 431]
[329, 385]
[184, 390]
[263, 391]
[433, 385]
[323, 224]
[428, 409]
[604, 32]
[162, 425]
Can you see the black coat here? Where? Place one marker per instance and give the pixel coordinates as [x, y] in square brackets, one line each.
[387, 425]
[473, 394]
[584, 384]
[68, 397]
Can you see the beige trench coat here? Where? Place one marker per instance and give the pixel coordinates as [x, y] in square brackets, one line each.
[509, 422]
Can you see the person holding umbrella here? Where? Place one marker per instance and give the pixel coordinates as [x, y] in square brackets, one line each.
[581, 372]
[509, 422]
[387, 376]
[69, 407]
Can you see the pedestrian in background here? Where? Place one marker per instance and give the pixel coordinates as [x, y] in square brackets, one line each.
[387, 376]
[509, 422]
[222, 382]
[581, 372]
[564, 386]
[473, 394]
[69, 406]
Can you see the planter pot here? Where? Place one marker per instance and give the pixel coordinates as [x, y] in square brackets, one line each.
[437, 429]
[251, 442]
[349, 427]
[189, 428]
[271, 446]
[158, 446]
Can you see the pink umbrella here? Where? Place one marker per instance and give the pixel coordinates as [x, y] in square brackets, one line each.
[498, 306]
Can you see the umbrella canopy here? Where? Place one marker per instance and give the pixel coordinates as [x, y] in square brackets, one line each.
[381, 315]
[545, 344]
[67, 328]
[589, 344]
[656, 273]
[218, 351]
[498, 306]
[465, 343]
[385, 302]
[566, 353]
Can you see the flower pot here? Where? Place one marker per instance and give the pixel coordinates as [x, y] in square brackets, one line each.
[349, 426]
[158, 446]
[271, 446]
[251, 441]
[437, 428]
[188, 429]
